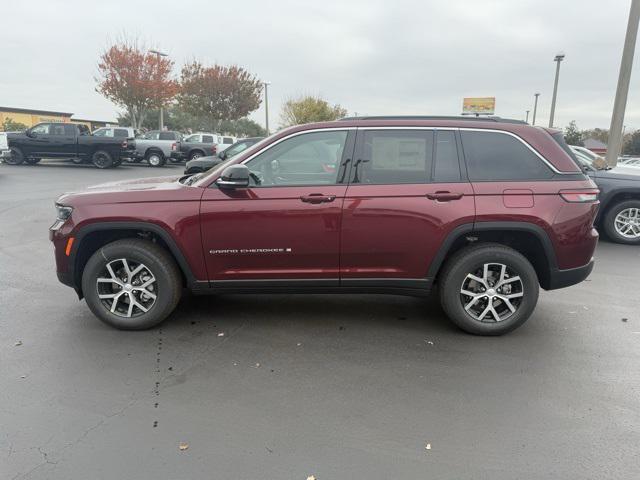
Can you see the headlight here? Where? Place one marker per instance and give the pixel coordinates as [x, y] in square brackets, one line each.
[63, 214]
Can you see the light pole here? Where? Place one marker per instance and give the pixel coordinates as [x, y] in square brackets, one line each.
[159, 54]
[266, 106]
[527, 119]
[558, 58]
[620, 103]
[535, 108]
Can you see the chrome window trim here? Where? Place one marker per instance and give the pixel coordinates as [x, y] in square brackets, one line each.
[471, 129]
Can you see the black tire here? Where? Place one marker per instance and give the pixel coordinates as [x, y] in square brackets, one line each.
[155, 158]
[102, 159]
[16, 157]
[618, 234]
[196, 154]
[471, 260]
[31, 161]
[168, 283]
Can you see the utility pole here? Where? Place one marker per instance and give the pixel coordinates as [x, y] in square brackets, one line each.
[535, 108]
[159, 54]
[266, 106]
[527, 119]
[558, 58]
[617, 119]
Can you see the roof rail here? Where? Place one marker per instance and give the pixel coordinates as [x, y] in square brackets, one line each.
[436, 117]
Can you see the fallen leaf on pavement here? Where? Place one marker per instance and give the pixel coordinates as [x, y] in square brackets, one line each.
[311, 477]
[18, 343]
[427, 446]
[183, 446]
[221, 334]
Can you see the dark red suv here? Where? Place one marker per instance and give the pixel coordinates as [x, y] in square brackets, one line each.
[487, 210]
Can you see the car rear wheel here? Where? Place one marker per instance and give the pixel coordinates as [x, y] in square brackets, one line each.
[16, 157]
[622, 222]
[131, 284]
[156, 159]
[488, 289]
[102, 159]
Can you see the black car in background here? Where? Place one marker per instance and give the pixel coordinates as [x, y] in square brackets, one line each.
[203, 164]
[619, 213]
[68, 141]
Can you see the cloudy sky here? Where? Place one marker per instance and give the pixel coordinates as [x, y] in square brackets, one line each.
[372, 57]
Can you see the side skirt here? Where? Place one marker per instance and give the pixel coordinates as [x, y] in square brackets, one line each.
[393, 286]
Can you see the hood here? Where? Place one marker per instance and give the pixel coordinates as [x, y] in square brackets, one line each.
[204, 161]
[621, 173]
[127, 191]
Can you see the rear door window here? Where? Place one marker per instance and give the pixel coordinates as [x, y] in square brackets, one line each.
[167, 136]
[207, 139]
[70, 130]
[393, 156]
[495, 156]
[120, 133]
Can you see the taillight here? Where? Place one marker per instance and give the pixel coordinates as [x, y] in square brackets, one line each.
[174, 146]
[125, 144]
[214, 149]
[580, 196]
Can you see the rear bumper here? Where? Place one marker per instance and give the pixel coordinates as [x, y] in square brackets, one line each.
[5, 154]
[571, 276]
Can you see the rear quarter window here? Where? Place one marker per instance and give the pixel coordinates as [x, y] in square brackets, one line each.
[495, 156]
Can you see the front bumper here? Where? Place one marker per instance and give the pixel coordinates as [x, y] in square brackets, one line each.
[5, 154]
[571, 276]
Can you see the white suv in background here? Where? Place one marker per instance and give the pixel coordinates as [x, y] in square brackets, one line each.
[116, 132]
[222, 142]
[4, 146]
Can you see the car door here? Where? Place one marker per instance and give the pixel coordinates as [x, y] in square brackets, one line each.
[406, 194]
[61, 141]
[285, 226]
[39, 142]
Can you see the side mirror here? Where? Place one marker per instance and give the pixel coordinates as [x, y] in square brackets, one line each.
[222, 155]
[234, 176]
[29, 133]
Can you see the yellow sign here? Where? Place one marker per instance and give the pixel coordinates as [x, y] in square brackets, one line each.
[481, 105]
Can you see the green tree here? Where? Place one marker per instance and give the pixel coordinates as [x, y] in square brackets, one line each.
[600, 134]
[218, 93]
[309, 109]
[243, 127]
[572, 135]
[632, 146]
[10, 126]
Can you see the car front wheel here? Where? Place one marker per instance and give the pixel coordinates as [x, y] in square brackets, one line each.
[622, 222]
[16, 157]
[488, 289]
[131, 284]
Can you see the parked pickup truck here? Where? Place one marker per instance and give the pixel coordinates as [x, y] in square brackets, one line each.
[157, 146]
[65, 140]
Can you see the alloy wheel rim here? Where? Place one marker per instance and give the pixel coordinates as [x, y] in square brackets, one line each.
[101, 160]
[154, 160]
[492, 293]
[627, 223]
[195, 155]
[127, 288]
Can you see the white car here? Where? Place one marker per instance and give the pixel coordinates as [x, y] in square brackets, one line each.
[4, 146]
[116, 132]
[222, 142]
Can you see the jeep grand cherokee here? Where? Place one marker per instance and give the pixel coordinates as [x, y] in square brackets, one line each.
[489, 210]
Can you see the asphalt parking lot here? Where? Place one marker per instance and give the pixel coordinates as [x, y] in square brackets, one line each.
[333, 386]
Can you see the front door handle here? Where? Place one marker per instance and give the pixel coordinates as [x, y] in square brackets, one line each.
[317, 198]
[442, 196]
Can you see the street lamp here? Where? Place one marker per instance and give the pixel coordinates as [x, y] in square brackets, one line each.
[266, 105]
[535, 108]
[527, 119]
[558, 58]
[160, 54]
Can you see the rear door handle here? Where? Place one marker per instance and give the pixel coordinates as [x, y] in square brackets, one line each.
[317, 198]
[444, 196]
